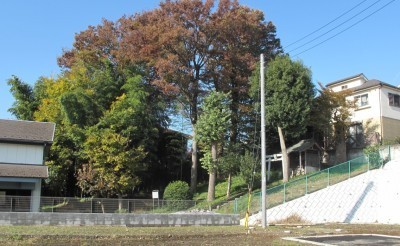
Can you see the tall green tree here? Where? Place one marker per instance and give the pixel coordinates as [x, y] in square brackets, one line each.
[190, 47]
[25, 102]
[289, 93]
[211, 128]
[174, 43]
[242, 35]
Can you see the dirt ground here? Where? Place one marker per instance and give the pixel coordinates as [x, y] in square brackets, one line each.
[194, 235]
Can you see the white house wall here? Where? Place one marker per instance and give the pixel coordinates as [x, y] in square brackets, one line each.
[370, 111]
[21, 154]
[387, 110]
[350, 84]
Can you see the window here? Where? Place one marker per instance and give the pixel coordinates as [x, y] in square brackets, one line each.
[361, 100]
[394, 100]
[344, 87]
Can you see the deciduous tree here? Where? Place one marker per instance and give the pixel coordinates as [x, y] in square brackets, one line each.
[242, 35]
[211, 129]
[331, 119]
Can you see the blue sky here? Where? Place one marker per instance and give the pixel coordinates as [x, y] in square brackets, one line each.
[33, 34]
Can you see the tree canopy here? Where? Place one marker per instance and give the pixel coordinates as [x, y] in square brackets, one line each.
[123, 81]
[289, 94]
[211, 130]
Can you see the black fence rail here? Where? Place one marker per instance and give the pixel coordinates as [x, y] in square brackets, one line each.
[93, 205]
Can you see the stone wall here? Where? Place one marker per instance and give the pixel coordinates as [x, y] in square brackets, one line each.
[79, 219]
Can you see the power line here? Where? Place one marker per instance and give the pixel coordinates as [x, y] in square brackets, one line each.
[346, 28]
[327, 24]
[334, 28]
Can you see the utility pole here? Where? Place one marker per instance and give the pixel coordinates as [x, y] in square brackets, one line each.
[263, 154]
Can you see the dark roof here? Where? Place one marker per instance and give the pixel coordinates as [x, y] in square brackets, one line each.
[26, 131]
[342, 80]
[372, 83]
[302, 146]
[23, 171]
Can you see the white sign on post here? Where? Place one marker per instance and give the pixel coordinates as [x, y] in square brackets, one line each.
[155, 194]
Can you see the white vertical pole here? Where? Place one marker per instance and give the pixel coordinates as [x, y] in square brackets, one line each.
[263, 154]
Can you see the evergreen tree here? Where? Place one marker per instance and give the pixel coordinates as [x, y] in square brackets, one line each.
[289, 93]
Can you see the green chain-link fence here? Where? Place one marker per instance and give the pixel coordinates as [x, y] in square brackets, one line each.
[316, 181]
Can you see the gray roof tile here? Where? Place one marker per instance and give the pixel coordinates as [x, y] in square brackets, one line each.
[372, 83]
[23, 171]
[26, 131]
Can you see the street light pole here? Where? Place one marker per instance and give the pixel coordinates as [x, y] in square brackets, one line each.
[263, 154]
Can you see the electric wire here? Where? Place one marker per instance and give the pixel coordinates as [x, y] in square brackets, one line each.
[327, 24]
[337, 26]
[318, 44]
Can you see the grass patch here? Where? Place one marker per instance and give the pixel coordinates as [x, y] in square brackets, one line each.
[238, 188]
[279, 193]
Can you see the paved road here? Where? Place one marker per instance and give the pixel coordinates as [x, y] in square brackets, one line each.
[361, 239]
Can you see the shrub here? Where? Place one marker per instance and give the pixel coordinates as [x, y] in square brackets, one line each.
[177, 190]
[177, 193]
[372, 152]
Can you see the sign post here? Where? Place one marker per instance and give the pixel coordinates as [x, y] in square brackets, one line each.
[154, 195]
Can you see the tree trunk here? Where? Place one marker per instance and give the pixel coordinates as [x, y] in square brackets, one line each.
[234, 117]
[193, 171]
[340, 145]
[285, 157]
[228, 190]
[193, 120]
[211, 186]
[212, 176]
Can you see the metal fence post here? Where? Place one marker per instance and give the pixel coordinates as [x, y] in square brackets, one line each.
[284, 192]
[91, 205]
[11, 204]
[349, 169]
[306, 185]
[235, 208]
[329, 183]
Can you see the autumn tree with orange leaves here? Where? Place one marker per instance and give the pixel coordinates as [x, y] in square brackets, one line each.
[185, 49]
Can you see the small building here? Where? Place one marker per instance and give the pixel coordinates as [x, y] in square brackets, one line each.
[24, 146]
[304, 157]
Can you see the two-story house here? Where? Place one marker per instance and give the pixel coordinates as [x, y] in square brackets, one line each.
[23, 148]
[377, 112]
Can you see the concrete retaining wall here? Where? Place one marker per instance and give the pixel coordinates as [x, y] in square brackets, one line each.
[372, 197]
[13, 218]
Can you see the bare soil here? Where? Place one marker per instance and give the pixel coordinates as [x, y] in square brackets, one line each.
[194, 235]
